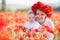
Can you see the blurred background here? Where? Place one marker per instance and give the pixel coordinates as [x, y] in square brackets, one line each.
[15, 11]
[19, 7]
[16, 5]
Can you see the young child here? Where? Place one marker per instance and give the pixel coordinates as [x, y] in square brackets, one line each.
[31, 21]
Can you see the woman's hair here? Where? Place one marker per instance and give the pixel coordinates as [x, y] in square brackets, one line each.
[42, 7]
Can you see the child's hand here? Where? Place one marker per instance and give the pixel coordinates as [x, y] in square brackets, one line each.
[45, 35]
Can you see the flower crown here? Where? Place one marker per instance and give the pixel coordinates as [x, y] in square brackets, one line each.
[42, 7]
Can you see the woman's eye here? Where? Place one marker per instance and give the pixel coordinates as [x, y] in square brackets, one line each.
[37, 13]
[42, 14]
[32, 17]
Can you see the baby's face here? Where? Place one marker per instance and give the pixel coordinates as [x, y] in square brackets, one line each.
[31, 17]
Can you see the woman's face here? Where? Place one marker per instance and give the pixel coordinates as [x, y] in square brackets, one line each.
[40, 16]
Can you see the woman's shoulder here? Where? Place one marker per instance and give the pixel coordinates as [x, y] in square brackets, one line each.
[49, 22]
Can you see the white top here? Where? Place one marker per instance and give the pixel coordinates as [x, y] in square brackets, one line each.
[35, 25]
[49, 23]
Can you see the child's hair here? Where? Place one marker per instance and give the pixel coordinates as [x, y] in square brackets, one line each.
[30, 12]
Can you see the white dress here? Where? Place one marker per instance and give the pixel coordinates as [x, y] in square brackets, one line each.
[50, 24]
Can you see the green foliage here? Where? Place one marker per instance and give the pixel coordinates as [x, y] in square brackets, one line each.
[8, 10]
[57, 36]
[21, 10]
[0, 10]
[3, 5]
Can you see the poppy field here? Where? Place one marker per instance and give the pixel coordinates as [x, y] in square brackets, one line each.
[12, 27]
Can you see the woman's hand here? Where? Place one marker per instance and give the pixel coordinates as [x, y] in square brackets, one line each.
[45, 35]
[48, 28]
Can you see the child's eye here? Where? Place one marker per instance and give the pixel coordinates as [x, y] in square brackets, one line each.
[29, 17]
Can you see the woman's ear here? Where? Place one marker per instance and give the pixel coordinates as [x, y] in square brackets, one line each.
[35, 17]
[45, 16]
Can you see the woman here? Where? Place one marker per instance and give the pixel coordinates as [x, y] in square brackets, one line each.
[43, 12]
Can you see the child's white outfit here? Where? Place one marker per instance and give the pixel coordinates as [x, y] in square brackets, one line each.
[35, 25]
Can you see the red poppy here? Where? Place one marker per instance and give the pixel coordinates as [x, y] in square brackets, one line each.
[58, 27]
[3, 22]
[21, 37]
[19, 20]
[36, 37]
[5, 36]
[37, 30]
[28, 33]
[19, 27]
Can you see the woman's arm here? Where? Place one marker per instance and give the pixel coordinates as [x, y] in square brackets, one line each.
[48, 28]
